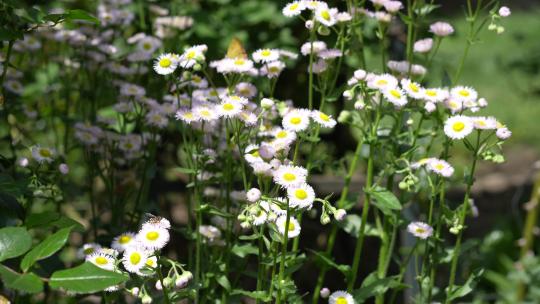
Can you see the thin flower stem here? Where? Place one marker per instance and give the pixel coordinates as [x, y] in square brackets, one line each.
[165, 289]
[283, 256]
[463, 214]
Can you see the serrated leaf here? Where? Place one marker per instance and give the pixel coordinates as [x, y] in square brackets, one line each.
[26, 282]
[86, 278]
[14, 241]
[45, 249]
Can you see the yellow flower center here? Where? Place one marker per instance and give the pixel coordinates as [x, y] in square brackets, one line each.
[205, 113]
[135, 258]
[191, 55]
[266, 52]
[414, 87]
[88, 250]
[239, 62]
[300, 193]
[464, 93]
[255, 153]
[420, 230]
[281, 134]
[188, 115]
[165, 62]
[395, 93]
[124, 239]
[289, 177]
[228, 107]
[431, 93]
[296, 120]
[147, 46]
[101, 260]
[326, 15]
[439, 166]
[291, 226]
[152, 235]
[293, 7]
[45, 152]
[196, 79]
[341, 300]
[324, 117]
[150, 262]
[273, 69]
[458, 126]
[382, 82]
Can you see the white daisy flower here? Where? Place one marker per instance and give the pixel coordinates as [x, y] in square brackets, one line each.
[296, 120]
[317, 46]
[229, 108]
[396, 96]
[458, 127]
[153, 237]
[315, 5]
[249, 118]
[191, 55]
[251, 154]
[261, 168]
[324, 120]
[129, 89]
[157, 119]
[284, 136]
[134, 259]
[123, 241]
[341, 297]
[261, 213]
[301, 196]
[272, 69]
[280, 208]
[211, 233]
[393, 6]
[440, 167]
[246, 89]
[101, 260]
[236, 98]
[148, 44]
[205, 113]
[289, 176]
[88, 249]
[435, 94]
[420, 230]
[239, 65]
[330, 54]
[453, 105]
[265, 55]
[326, 16]
[463, 94]
[186, 115]
[484, 123]
[14, 86]
[441, 29]
[413, 89]
[421, 162]
[43, 154]
[504, 11]
[294, 8]
[382, 82]
[294, 227]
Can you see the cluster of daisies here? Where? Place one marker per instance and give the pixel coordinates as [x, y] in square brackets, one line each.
[137, 253]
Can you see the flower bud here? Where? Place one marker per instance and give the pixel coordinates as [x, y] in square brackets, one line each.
[340, 214]
[146, 299]
[325, 292]
[158, 285]
[323, 31]
[253, 195]
[325, 219]
[344, 116]
[267, 103]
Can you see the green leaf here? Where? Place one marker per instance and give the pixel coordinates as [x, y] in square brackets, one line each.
[78, 14]
[321, 256]
[10, 186]
[461, 291]
[385, 200]
[45, 249]
[26, 282]
[14, 241]
[244, 250]
[259, 295]
[373, 286]
[351, 224]
[86, 278]
[224, 282]
[41, 219]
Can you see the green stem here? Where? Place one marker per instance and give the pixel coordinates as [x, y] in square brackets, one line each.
[283, 256]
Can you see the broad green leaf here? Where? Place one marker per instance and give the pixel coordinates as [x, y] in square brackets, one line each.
[78, 14]
[14, 241]
[86, 278]
[224, 282]
[26, 282]
[385, 200]
[41, 219]
[244, 250]
[259, 295]
[45, 249]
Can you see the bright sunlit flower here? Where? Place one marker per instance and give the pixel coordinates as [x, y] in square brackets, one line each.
[341, 297]
[396, 96]
[458, 127]
[323, 119]
[293, 9]
[186, 116]
[191, 56]
[413, 89]
[420, 230]
[484, 123]
[153, 237]
[134, 259]
[265, 55]
[205, 113]
[296, 120]
[382, 82]
[123, 241]
[293, 229]
[290, 176]
[326, 16]
[272, 69]
[301, 196]
[435, 95]
[229, 108]
[463, 94]
[440, 167]
[101, 260]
